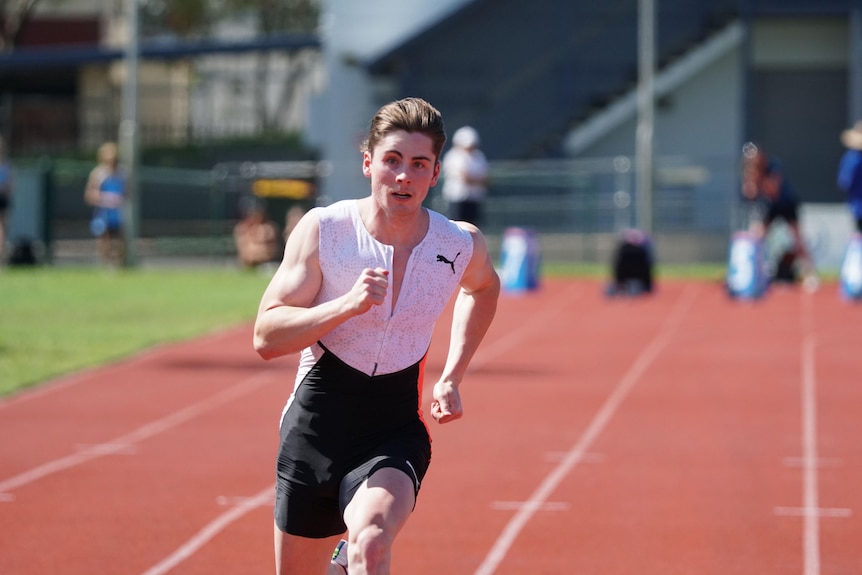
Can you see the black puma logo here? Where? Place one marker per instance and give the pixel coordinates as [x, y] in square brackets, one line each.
[451, 263]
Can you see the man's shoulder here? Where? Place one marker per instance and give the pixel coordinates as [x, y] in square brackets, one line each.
[447, 230]
[442, 221]
[334, 216]
[339, 208]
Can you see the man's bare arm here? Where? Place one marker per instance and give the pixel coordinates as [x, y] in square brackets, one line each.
[286, 320]
[475, 307]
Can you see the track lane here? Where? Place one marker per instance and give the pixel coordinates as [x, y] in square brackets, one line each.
[690, 475]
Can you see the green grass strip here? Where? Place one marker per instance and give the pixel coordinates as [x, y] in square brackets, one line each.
[55, 321]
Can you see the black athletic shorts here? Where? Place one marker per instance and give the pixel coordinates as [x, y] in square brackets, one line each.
[341, 427]
[785, 209]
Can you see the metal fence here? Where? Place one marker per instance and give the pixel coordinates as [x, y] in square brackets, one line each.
[182, 214]
[576, 206]
[579, 206]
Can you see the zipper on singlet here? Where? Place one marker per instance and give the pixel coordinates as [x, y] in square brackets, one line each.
[382, 346]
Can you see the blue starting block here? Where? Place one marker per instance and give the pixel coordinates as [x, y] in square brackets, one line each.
[851, 269]
[520, 255]
[746, 274]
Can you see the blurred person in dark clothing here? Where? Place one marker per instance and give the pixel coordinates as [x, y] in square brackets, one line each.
[765, 184]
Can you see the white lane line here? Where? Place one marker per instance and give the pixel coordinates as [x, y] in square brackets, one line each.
[123, 443]
[556, 456]
[205, 535]
[811, 519]
[521, 505]
[821, 512]
[108, 448]
[811, 512]
[822, 462]
[576, 454]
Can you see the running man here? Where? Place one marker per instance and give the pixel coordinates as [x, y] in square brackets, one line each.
[358, 292]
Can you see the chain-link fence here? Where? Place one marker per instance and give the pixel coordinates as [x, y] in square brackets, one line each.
[577, 207]
[580, 206]
[184, 215]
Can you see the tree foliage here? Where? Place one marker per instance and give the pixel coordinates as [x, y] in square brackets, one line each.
[278, 15]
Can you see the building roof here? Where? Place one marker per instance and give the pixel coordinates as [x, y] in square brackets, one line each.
[77, 55]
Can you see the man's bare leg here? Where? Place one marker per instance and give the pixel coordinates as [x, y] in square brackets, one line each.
[301, 555]
[374, 516]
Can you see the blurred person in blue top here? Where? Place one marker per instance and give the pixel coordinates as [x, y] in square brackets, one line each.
[5, 193]
[106, 192]
[850, 171]
[766, 186]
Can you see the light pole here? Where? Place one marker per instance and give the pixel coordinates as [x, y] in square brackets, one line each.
[646, 109]
[855, 111]
[129, 136]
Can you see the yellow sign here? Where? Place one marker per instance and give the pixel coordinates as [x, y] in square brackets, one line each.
[293, 189]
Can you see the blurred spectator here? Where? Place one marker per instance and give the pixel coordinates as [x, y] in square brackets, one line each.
[632, 267]
[106, 192]
[291, 218]
[465, 177]
[765, 185]
[850, 171]
[257, 238]
[5, 194]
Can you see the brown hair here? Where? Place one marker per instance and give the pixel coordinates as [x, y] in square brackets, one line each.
[410, 115]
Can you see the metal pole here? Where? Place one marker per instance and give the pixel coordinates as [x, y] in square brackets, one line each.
[740, 215]
[855, 108]
[129, 137]
[646, 109]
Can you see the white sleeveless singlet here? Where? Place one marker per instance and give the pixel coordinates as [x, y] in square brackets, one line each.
[383, 341]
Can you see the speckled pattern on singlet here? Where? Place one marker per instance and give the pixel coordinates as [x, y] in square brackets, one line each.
[379, 341]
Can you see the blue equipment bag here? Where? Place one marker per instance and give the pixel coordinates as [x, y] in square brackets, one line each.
[851, 269]
[746, 277]
[521, 256]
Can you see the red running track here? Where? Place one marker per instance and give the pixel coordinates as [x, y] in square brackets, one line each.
[680, 433]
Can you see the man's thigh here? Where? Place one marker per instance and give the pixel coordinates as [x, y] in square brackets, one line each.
[388, 496]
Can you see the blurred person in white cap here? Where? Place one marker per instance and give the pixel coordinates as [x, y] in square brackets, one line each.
[465, 177]
[5, 193]
[850, 171]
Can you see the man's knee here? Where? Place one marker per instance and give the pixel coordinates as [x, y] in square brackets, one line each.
[370, 547]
